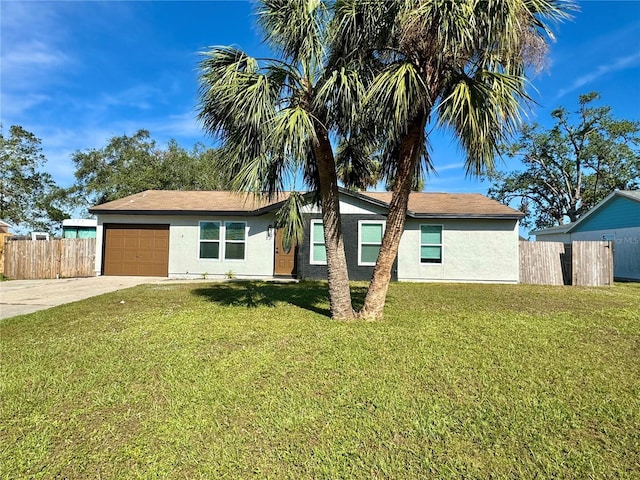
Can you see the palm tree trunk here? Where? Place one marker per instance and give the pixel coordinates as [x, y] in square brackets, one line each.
[409, 154]
[338, 275]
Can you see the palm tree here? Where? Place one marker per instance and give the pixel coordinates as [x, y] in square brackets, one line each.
[460, 65]
[277, 117]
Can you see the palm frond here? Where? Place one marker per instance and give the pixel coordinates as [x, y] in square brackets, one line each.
[341, 94]
[361, 28]
[293, 132]
[396, 96]
[291, 220]
[234, 92]
[483, 111]
[297, 28]
[388, 162]
[357, 162]
[438, 28]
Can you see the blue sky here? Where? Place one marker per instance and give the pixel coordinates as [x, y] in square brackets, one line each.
[76, 73]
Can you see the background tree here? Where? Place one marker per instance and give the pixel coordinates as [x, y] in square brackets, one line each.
[29, 197]
[278, 117]
[132, 164]
[458, 65]
[571, 166]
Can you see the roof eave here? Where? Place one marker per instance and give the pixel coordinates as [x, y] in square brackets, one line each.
[466, 216]
[413, 214]
[629, 194]
[236, 213]
[364, 197]
[558, 230]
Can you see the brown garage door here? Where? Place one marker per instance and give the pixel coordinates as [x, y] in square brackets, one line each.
[136, 250]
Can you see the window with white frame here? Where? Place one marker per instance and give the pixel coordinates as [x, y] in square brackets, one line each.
[430, 243]
[234, 240]
[210, 240]
[318, 250]
[369, 241]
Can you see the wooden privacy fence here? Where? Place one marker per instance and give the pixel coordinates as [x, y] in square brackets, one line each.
[583, 263]
[540, 263]
[58, 258]
[3, 236]
[592, 263]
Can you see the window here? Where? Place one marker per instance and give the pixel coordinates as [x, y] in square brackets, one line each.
[234, 240]
[430, 244]
[210, 240]
[369, 241]
[318, 251]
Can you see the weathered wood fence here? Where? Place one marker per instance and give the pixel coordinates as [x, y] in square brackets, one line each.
[3, 236]
[592, 263]
[583, 263]
[58, 258]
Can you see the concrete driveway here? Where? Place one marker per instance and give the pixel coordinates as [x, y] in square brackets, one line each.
[18, 297]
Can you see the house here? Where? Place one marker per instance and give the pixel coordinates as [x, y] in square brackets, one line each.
[448, 237]
[616, 218]
[79, 228]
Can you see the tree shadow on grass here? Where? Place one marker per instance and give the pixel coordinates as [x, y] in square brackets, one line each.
[312, 296]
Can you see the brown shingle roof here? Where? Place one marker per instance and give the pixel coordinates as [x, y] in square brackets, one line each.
[174, 201]
[427, 204]
[421, 204]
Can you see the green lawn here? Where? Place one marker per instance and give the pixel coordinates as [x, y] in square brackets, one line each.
[242, 380]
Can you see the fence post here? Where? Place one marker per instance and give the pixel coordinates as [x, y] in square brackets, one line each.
[58, 272]
[611, 247]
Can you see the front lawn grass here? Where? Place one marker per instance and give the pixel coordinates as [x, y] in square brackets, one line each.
[242, 380]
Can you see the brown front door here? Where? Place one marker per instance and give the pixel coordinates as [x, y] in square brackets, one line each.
[285, 263]
[141, 250]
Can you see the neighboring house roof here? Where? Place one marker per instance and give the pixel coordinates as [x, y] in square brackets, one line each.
[552, 230]
[79, 222]
[633, 195]
[421, 204]
[4, 224]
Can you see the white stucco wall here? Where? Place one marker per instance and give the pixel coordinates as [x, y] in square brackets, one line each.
[554, 237]
[350, 206]
[184, 246]
[473, 251]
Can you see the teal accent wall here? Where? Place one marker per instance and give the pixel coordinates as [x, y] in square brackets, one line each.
[79, 232]
[619, 212]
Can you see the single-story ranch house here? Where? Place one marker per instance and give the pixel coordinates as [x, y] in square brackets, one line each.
[182, 234]
[617, 219]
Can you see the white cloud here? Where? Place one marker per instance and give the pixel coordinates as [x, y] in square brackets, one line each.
[32, 54]
[450, 166]
[180, 125]
[15, 105]
[619, 64]
[59, 143]
[139, 96]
